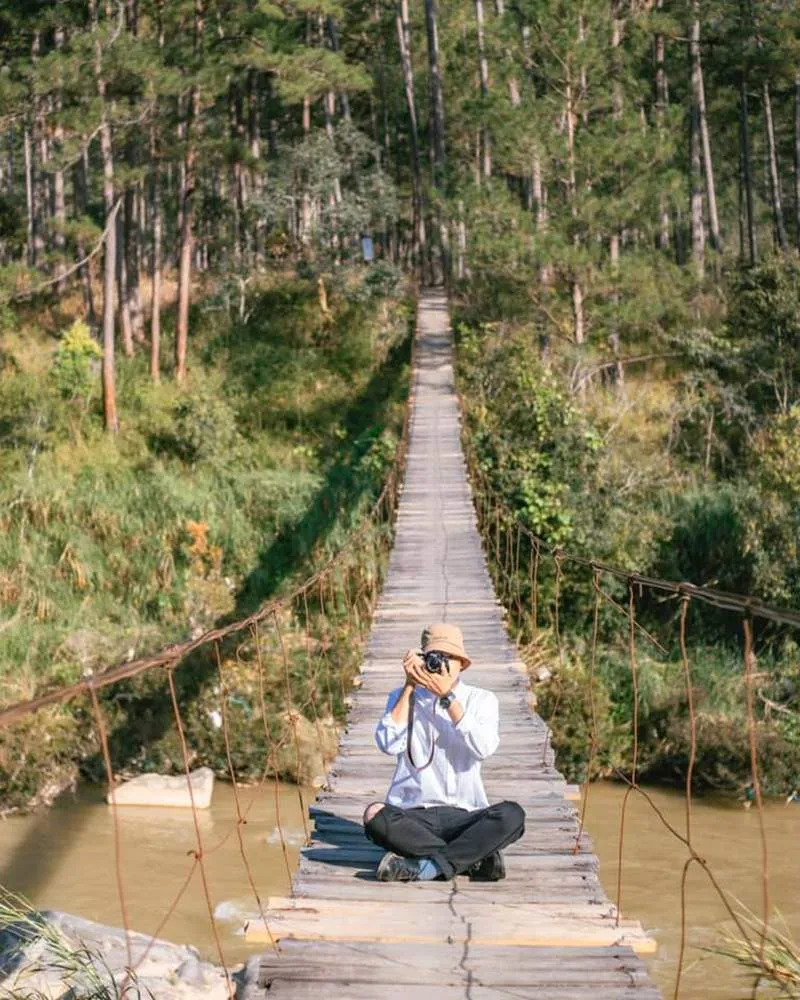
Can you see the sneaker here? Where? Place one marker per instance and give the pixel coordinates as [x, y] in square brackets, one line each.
[393, 868]
[491, 869]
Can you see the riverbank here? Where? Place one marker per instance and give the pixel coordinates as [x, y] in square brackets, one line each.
[213, 498]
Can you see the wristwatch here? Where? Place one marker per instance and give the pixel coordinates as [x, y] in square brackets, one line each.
[447, 700]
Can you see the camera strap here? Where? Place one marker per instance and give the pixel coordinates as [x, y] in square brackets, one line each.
[411, 705]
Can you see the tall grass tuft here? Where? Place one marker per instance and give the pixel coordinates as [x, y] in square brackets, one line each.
[44, 950]
[776, 966]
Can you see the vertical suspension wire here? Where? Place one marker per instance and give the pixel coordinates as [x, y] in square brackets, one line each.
[687, 677]
[333, 603]
[692, 717]
[102, 732]
[292, 715]
[557, 560]
[752, 737]
[535, 591]
[497, 536]
[507, 565]
[240, 818]
[635, 757]
[311, 668]
[323, 650]
[692, 859]
[518, 582]
[198, 852]
[593, 737]
[272, 752]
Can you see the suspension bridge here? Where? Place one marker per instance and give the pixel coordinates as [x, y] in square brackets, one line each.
[548, 930]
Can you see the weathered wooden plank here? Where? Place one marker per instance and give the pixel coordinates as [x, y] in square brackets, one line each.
[347, 989]
[523, 926]
[547, 932]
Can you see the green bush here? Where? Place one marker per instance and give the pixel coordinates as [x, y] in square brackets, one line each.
[75, 362]
[203, 427]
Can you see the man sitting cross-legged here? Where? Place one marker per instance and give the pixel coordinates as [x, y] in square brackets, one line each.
[436, 821]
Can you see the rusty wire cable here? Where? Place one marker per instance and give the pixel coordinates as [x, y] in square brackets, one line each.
[748, 608]
[241, 820]
[102, 732]
[198, 853]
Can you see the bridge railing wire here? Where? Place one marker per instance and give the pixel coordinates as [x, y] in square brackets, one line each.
[509, 542]
[307, 644]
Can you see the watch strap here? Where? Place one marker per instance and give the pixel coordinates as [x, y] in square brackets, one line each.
[447, 700]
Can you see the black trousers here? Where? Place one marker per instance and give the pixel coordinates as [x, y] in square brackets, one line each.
[455, 838]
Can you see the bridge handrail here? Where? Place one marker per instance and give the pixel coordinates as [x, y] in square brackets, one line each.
[724, 600]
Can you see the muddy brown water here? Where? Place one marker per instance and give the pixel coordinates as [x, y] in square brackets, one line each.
[63, 859]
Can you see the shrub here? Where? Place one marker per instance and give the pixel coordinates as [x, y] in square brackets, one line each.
[75, 362]
[204, 426]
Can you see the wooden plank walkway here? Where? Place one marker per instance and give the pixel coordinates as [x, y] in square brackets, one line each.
[548, 930]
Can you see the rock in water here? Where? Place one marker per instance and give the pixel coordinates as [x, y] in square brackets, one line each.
[164, 790]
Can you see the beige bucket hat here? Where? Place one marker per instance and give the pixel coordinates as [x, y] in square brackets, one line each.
[445, 639]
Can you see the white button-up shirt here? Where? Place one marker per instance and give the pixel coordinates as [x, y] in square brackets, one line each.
[454, 775]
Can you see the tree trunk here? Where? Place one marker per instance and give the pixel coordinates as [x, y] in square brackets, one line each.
[696, 162]
[699, 101]
[122, 283]
[747, 174]
[187, 214]
[155, 306]
[437, 95]
[616, 114]
[333, 34]
[797, 159]
[616, 70]
[59, 206]
[305, 205]
[577, 289]
[39, 178]
[774, 173]
[578, 327]
[461, 270]
[30, 195]
[483, 65]
[81, 198]
[404, 38]
[698, 225]
[186, 238]
[133, 259]
[110, 258]
[254, 143]
[662, 100]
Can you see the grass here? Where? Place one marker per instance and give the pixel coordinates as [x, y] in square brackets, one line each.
[44, 952]
[768, 955]
[599, 474]
[210, 500]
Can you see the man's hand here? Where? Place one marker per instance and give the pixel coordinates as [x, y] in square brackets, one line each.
[414, 668]
[437, 684]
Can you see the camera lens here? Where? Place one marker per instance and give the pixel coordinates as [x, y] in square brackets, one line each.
[435, 662]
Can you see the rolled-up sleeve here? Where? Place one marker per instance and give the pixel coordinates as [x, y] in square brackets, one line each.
[479, 726]
[391, 737]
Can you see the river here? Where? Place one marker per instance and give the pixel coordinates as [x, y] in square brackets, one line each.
[63, 859]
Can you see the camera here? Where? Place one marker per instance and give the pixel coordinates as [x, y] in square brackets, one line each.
[436, 663]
